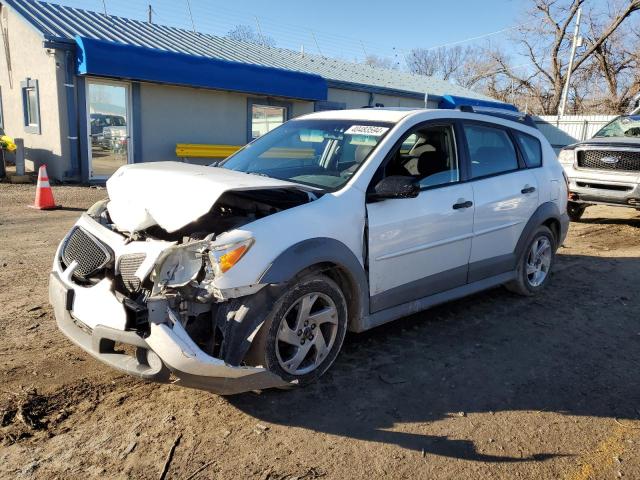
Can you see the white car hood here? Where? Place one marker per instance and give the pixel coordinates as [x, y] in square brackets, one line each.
[174, 194]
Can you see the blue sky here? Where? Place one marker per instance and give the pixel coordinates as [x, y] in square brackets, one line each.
[346, 29]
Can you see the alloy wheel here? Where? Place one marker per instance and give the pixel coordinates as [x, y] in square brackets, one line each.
[539, 261]
[307, 333]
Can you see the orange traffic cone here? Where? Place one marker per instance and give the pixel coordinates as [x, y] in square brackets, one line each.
[44, 194]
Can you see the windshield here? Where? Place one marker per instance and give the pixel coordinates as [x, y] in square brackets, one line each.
[319, 153]
[626, 126]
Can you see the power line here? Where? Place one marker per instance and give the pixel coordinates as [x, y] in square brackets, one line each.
[288, 35]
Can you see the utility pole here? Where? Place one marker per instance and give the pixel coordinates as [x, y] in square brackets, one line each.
[576, 40]
[150, 14]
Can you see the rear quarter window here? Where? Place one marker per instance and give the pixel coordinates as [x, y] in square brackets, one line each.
[531, 149]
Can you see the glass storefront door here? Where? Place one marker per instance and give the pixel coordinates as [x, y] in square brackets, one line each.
[108, 127]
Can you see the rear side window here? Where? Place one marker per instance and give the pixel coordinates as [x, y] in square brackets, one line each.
[491, 150]
[531, 149]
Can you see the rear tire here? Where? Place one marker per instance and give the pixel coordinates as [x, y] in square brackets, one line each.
[575, 211]
[535, 264]
[304, 332]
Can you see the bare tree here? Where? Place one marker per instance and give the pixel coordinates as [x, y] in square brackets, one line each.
[615, 67]
[545, 40]
[246, 33]
[468, 67]
[380, 62]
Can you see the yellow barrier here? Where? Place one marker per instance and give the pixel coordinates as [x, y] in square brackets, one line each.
[191, 150]
[288, 153]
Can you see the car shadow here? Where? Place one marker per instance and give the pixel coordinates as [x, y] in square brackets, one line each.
[631, 222]
[571, 350]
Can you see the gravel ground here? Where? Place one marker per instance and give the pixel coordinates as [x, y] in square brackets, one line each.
[493, 386]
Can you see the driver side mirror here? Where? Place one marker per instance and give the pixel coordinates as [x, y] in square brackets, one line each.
[396, 186]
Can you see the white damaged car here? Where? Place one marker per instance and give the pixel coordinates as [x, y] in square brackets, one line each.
[248, 274]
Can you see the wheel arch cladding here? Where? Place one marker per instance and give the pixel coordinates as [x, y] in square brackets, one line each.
[547, 214]
[338, 262]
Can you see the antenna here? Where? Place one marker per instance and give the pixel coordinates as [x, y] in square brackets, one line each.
[104, 5]
[259, 30]
[193, 25]
[364, 49]
[150, 14]
[316, 40]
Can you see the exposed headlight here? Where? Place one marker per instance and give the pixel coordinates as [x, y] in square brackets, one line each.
[224, 257]
[566, 157]
[179, 265]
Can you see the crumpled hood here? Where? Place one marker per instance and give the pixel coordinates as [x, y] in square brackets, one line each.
[174, 194]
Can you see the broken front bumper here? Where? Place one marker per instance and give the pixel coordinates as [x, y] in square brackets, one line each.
[167, 349]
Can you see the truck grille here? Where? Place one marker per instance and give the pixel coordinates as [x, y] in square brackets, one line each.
[128, 265]
[90, 253]
[623, 161]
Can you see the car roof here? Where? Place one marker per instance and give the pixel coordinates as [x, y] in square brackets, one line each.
[396, 114]
[377, 114]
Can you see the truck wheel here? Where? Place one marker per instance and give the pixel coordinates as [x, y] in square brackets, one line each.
[534, 266]
[302, 336]
[575, 211]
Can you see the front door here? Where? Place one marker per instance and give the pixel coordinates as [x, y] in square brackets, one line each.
[421, 246]
[108, 127]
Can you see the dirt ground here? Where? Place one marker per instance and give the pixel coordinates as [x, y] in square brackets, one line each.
[493, 386]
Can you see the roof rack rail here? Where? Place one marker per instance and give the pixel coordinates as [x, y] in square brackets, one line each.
[506, 111]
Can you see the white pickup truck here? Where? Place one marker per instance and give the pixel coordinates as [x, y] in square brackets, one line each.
[606, 168]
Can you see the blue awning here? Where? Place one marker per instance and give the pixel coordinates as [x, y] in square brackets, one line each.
[117, 60]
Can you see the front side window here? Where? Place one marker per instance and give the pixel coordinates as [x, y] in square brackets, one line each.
[265, 118]
[319, 153]
[428, 155]
[30, 105]
[531, 149]
[490, 149]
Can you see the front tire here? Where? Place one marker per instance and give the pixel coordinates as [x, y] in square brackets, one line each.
[575, 211]
[303, 335]
[535, 264]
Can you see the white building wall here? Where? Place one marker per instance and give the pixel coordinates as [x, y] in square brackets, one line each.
[355, 99]
[172, 115]
[30, 60]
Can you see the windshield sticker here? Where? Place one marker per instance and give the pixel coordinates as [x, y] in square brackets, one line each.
[373, 130]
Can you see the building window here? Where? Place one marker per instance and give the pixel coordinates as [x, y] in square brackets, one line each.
[31, 105]
[264, 116]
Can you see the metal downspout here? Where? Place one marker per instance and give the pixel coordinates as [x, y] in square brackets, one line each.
[72, 115]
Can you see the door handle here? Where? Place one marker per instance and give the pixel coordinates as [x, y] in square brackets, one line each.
[465, 204]
[528, 189]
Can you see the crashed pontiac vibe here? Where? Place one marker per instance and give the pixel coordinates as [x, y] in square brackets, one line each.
[247, 274]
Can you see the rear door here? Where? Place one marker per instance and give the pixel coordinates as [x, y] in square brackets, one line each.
[505, 194]
[420, 246]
